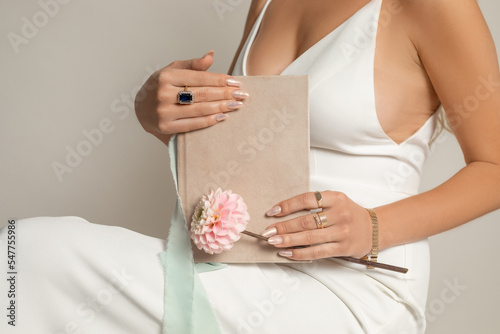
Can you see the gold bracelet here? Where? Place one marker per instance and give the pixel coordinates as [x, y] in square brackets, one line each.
[374, 252]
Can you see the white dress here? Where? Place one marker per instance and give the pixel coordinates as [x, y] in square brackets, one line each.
[79, 277]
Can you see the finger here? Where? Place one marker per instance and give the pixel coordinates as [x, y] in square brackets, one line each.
[307, 201]
[302, 223]
[191, 124]
[322, 251]
[198, 64]
[178, 111]
[182, 77]
[205, 94]
[304, 238]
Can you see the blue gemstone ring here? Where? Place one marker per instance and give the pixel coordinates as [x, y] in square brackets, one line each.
[185, 96]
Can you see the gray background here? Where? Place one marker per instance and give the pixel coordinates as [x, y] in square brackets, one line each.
[84, 64]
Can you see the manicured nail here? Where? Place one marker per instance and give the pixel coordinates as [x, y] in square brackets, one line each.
[274, 211]
[234, 104]
[269, 232]
[220, 117]
[276, 240]
[241, 94]
[285, 253]
[233, 82]
[211, 52]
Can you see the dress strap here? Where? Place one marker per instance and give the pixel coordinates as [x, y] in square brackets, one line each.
[251, 38]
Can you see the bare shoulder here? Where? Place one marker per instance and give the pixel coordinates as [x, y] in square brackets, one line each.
[457, 50]
[442, 18]
[253, 12]
[448, 33]
[440, 8]
[257, 5]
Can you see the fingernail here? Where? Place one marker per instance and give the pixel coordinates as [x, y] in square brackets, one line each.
[269, 232]
[234, 104]
[233, 82]
[209, 52]
[240, 94]
[285, 253]
[274, 211]
[276, 240]
[220, 117]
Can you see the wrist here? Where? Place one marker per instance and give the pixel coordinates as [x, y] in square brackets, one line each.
[383, 231]
[373, 254]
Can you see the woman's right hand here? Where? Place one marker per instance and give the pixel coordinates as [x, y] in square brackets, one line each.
[215, 94]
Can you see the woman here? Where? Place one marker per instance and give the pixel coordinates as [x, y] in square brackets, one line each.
[378, 72]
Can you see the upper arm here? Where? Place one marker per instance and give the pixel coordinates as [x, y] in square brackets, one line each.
[458, 53]
[254, 11]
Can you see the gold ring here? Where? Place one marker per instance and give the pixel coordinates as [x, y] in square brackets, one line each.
[185, 96]
[322, 218]
[319, 199]
[317, 219]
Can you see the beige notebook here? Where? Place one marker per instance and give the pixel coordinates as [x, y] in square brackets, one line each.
[260, 152]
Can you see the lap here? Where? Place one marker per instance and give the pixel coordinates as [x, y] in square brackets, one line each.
[78, 277]
[74, 275]
[323, 297]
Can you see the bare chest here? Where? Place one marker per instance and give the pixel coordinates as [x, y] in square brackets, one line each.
[404, 95]
[291, 27]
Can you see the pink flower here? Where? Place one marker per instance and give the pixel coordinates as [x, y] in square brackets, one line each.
[218, 220]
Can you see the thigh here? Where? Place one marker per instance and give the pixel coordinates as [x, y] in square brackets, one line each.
[73, 276]
[269, 299]
[321, 297]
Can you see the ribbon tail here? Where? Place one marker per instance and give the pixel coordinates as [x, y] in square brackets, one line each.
[186, 305]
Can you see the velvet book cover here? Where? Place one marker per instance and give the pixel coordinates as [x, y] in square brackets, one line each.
[260, 152]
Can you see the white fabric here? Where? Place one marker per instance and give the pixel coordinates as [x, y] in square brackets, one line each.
[115, 281]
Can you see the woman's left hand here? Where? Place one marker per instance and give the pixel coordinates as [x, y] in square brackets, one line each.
[348, 231]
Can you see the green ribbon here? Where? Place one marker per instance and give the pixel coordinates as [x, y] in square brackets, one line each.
[186, 305]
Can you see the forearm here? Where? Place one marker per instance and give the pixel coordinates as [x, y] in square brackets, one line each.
[469, 194]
